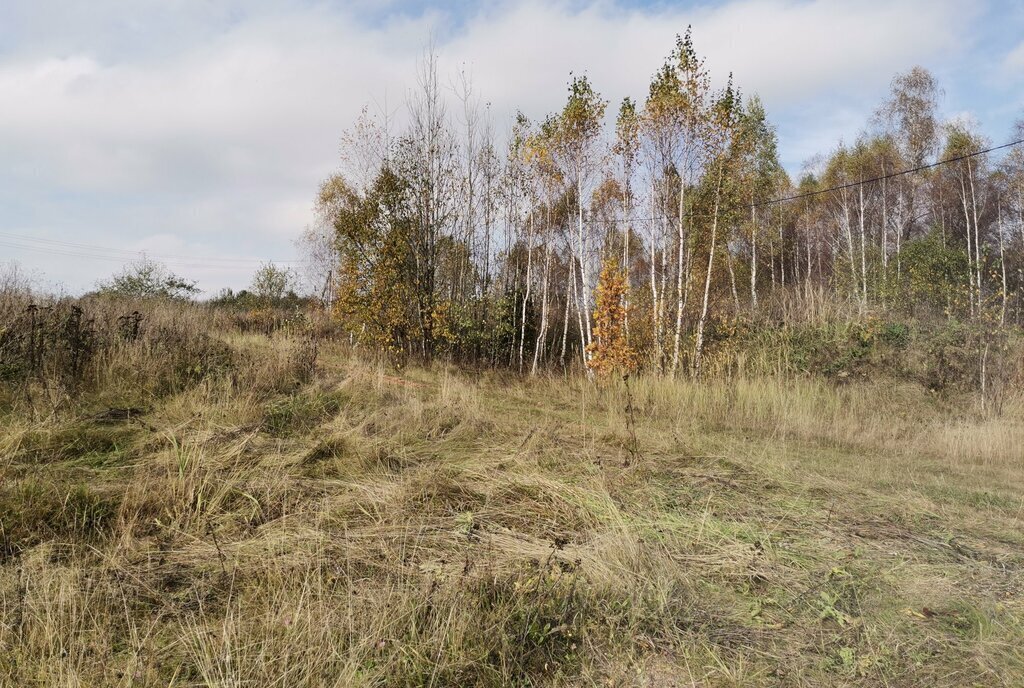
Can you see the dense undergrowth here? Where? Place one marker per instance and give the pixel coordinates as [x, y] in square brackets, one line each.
[187, 500]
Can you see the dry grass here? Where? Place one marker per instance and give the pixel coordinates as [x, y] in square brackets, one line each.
[441, 528]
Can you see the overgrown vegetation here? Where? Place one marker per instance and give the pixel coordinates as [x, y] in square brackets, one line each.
[441, 241]
[464, 463]
[192, 502]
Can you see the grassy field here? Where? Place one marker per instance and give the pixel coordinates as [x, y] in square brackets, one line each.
[360, 526]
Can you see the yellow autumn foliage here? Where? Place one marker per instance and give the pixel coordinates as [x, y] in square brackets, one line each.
[610, 352]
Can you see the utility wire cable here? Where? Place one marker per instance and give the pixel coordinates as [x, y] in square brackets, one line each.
[59, 251]
[82, 250]
[883, 177]
[92, 250]
[818, 192]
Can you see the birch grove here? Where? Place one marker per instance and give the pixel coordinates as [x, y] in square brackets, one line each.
[444, 241]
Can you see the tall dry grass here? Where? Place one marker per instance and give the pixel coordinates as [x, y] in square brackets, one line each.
[296, 516]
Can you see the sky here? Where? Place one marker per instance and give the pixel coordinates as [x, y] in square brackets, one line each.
[197, 131]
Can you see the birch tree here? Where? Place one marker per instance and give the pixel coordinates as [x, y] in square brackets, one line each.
[909, 116]
[429, 164]
[579, 131]
[719, 141]
[760, 175]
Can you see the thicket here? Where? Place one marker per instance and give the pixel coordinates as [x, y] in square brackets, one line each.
[104, 353]
[127, 353]
[441, 241]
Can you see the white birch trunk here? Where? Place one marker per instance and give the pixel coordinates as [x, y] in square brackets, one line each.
[542, 335]
[679, 281]
[977, 237]
[753, 255]
[529, 284]
[698, 352]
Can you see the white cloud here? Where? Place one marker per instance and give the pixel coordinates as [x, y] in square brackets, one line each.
[1013, 64]
[784, 50]
[221, 134]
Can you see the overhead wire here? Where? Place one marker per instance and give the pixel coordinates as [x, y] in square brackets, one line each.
[93, 251]
[899, 173]
[818, 192]
[191, 263]
[83, 250]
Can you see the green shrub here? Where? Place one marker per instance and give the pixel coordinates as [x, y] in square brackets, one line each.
[933, 276]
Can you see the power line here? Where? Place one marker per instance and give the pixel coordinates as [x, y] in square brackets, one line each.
[818, 192]
[83, 250]
[883, 177]
[59, 251]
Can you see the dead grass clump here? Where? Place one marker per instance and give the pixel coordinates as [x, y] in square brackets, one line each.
[265, 368]
[301, 412]
[34, 511]
[60, 351]
[81, 442]
[548, 509]
[56, 625]
[185, 489]
[438, 491]
[990, 443]
[512, 629]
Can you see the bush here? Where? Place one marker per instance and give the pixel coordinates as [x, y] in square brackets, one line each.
[147, 279]
[933, 277]
[71, 347]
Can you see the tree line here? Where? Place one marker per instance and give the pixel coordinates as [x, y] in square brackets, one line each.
[444, 239]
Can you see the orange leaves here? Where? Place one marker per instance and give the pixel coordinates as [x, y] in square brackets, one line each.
[610, 351]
